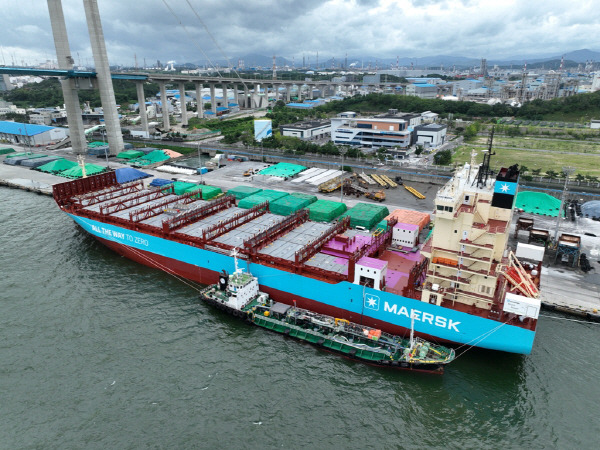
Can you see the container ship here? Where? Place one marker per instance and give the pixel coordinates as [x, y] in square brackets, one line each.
[454, 279]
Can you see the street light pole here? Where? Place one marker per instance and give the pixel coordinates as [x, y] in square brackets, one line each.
[200, 163]
[567, 171]
[343, 151]
[105, 152]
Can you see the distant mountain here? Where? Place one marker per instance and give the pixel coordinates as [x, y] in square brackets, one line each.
[534, 61]
[581, 56]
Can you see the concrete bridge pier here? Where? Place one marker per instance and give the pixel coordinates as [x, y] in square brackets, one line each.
[107, 93]
[288, 93]
[246, 97]
[199, 101]
[164, 106]
[65, 61]
[183, 105]
[142, 103]
[213, 99]
[225, 95]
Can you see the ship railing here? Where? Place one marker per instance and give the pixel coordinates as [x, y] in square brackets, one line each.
[256, 243]
[63, 193]
[158, 208]
[130, 202]
[313, 248]
[109, 193]
[196, 214]
[238, 219]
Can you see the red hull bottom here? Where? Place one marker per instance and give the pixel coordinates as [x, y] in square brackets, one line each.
[207, 276]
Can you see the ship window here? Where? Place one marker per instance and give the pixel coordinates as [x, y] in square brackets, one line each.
[440, 207]
[448, 208]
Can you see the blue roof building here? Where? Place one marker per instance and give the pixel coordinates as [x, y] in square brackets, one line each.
[31, 134]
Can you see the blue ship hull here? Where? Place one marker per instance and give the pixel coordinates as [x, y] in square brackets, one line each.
[347, 300]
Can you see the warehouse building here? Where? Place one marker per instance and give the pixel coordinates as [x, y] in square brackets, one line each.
[30, 134]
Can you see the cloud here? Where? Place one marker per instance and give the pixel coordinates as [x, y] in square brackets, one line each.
[170, 29]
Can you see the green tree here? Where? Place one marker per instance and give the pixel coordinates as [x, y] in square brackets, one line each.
[551, 174]
[524, 169]
[536, 171]
[443, 158]
[418, 150]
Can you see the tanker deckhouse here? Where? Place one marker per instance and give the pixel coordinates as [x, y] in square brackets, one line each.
[459, 286]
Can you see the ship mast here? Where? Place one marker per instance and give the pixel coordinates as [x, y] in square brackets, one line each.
[484, 169]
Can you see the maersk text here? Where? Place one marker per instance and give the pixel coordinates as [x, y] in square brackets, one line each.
[421, 316]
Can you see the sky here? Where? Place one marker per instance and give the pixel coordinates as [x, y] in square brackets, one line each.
[194, 30]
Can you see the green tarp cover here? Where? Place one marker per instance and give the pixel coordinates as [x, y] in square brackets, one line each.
[75, 171]
[180, 187]
[29, 155]
[4, 151]
[96, 144]
[240, 192]
[366, 215]
[252, 200]
[311, 198]
[325, 210]
[60, 165]
[288, 205]
[538, 203]
[130, 154]
[283, 170]
[273, 195]
[208, 192]
[151, 158]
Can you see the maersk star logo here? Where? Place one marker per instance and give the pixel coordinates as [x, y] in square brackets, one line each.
[505, 187]
[372, 302]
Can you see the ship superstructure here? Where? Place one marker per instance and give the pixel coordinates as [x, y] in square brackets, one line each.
[468, 256]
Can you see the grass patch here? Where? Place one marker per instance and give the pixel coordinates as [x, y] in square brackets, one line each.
[583, 164]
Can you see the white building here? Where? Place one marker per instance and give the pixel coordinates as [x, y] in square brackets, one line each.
[307, 129]
[424, 90]
[371, 132]
[430, 135]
